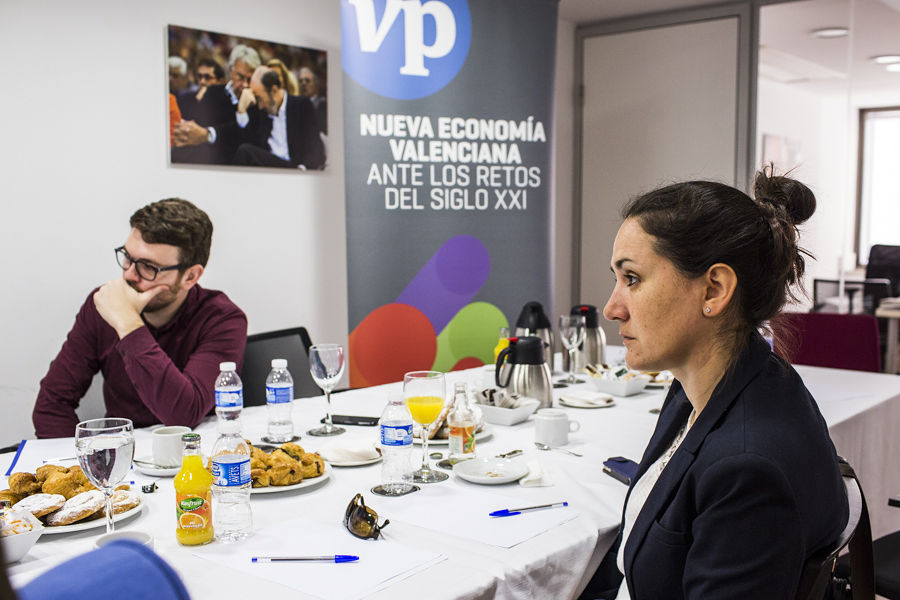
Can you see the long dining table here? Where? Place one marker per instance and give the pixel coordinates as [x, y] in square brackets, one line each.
[440, 542]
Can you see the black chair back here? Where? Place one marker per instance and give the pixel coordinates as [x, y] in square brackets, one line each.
[884, 262]
[290, 344]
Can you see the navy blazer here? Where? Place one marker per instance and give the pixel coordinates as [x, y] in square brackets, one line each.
[304, 144]
[751, 493]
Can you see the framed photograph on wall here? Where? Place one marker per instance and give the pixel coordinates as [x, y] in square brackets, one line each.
[245, 102]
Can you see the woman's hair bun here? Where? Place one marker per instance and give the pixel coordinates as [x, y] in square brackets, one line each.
[796, 199]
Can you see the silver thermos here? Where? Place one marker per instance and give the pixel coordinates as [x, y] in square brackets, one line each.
[533, 322]
[593, 350]
[522, 369]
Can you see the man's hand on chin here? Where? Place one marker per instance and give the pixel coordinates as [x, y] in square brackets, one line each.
[120, 305]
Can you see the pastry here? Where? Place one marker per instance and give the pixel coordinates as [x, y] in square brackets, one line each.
[40, 504]
[123, 500]
[23, 484]
[9, 496]
[77, 508]
[41, 473]
[311, 465]
[69, 483]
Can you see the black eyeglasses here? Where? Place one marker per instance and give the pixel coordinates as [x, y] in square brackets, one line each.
[205, 76]
[144, 269]
[362, 521]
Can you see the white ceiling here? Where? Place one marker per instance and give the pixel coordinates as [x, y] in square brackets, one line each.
[788, 52]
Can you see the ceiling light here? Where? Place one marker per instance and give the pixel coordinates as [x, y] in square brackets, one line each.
[830, 32]
[894, 67]
[886, 59]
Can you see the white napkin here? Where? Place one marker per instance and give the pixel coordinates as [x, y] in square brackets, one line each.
[348, 450]
[585, 399]
[537, 476]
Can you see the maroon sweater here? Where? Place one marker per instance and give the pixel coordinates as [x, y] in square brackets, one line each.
[151, 375]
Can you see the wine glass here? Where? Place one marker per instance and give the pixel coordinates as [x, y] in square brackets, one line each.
[104, 448]
[326, 364]
[425, 392]
[571, 332]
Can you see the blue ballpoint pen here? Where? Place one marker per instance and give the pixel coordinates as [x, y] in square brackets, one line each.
[508, 512]
[336, 558]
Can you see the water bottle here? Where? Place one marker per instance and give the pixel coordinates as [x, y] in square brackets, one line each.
[396, 447]
[279, 397]
[232, 519]
[462, 421]
[229, 393]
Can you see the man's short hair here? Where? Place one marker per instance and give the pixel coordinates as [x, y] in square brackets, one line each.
[178, 223]
[246, 54]
[207, 61]
[178, 64]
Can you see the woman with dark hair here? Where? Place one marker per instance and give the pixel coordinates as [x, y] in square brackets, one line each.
[739, 483]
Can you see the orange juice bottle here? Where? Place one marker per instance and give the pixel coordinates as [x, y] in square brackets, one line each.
[502, 342]
[193, 496]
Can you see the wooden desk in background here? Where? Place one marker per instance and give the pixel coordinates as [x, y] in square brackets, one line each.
[893, 317]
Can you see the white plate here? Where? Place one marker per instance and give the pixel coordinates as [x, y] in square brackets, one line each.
[101, 522]
[155, 471]
[485, 433]
[356, 463]
[312, 481]
[491, 471]
[588, 401]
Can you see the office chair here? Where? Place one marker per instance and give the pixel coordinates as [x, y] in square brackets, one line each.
[291, 344]
[857, 535]
[829, 340]
[886, 553]
[884, 262]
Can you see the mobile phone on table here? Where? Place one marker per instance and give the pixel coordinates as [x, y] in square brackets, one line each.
[621, 468]
[353, 420]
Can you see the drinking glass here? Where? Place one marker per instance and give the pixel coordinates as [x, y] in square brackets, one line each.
[571, 332]
[326, 364]
[425, 392]
[104, 448]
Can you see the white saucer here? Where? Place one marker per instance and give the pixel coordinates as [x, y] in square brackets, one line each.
[155, 471]
[491, 471]
[586, 399]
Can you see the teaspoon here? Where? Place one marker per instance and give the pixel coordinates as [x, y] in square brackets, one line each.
[541, 446]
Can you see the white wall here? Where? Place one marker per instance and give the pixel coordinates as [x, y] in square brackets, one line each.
[85, 128]
[563, 150]
[85, 145]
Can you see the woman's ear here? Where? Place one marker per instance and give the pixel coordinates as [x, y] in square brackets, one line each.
[721, 282]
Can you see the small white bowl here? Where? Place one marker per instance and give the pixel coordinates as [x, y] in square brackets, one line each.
[618, 387]
[509, 416]
[17, 545]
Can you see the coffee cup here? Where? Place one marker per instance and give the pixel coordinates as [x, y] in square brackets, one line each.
[167, 446]
[140, 537]
[552, 427]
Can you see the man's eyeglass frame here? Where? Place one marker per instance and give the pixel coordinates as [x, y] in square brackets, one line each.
[125, 261]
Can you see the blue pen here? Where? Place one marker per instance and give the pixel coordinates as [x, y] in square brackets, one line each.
[508, 512]
[336, 558]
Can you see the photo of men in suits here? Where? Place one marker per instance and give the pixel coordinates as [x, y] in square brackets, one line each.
[243, 115]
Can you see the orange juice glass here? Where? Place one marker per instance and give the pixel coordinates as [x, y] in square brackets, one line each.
[425, 392]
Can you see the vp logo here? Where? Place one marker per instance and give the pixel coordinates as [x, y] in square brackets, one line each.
[404, 49]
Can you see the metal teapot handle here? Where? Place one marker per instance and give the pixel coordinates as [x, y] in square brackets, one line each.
[500, 360]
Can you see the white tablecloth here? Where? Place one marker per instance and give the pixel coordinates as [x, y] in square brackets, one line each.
[862, 410]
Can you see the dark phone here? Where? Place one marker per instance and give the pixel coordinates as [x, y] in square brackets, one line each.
[621, 468]
[353, 420]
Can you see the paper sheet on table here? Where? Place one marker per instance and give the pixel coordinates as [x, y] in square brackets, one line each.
[35, 452]
[464, 512]
[381, 563]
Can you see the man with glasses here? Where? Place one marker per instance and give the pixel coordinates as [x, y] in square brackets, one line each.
[154, 333]
[208, 132]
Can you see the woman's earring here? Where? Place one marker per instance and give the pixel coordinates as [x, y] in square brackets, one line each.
[708, 310]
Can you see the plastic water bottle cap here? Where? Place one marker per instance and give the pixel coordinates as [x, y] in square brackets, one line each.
[227, 366]
[279, 363]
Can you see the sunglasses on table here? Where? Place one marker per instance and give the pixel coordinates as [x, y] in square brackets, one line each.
[362, 521]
